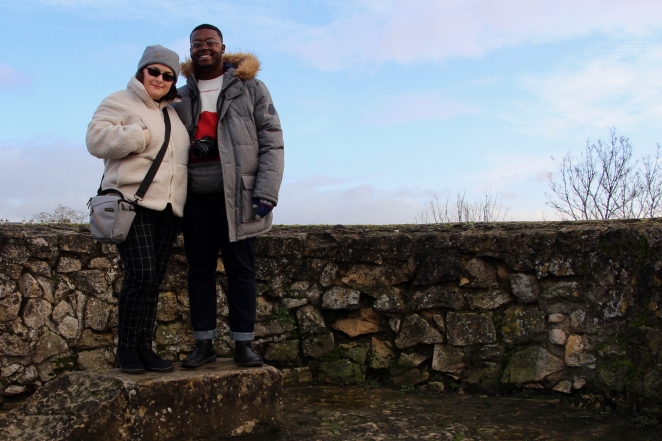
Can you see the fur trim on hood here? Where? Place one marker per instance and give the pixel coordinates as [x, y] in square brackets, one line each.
[246, 65]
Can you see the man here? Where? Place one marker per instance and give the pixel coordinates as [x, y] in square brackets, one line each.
[235, 170]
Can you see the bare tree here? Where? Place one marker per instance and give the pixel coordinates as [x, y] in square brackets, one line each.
[606, 183]
[62, 214]
[650, 194]
[438, 211]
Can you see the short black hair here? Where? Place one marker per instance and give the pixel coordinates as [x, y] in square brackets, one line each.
[207, 26]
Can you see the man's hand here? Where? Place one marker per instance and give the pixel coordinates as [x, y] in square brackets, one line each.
[263, 207]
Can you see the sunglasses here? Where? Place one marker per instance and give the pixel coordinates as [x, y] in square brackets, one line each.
[156, 73]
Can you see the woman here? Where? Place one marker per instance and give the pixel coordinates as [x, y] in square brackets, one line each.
[127, 131]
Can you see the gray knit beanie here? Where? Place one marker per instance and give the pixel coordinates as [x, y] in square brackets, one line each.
[158, 54]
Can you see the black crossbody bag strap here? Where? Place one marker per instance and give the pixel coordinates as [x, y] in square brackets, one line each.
[149, 177]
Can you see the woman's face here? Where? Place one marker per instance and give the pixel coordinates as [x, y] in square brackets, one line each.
[157, 86]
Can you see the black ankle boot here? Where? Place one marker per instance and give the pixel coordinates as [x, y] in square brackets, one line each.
[153, 361]
[203, 353]
[129, 361]
[245, 355]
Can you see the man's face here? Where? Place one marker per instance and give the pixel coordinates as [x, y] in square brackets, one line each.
[206, 55]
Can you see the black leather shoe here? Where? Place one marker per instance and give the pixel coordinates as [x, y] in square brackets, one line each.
[203, 353]
[153, 361]
[129, 361]
[245, 355]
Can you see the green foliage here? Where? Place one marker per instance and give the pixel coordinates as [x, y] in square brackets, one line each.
[458, 437]
[283, 315]
[408, 389]
[645, 421]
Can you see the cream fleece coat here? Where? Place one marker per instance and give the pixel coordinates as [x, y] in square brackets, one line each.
[115, 135]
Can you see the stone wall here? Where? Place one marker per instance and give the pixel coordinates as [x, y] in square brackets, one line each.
[483, 307]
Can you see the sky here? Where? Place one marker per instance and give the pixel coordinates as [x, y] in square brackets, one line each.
[383, 103]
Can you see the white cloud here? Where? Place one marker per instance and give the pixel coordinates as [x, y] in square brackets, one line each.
[428, 106]
[431, 30]
[38, 174]
[318, 200]
[622, 89]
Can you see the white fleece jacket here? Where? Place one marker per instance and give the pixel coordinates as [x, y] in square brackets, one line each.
[115, 135]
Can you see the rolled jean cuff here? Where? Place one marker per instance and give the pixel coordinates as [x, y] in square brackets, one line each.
[242, 336]
[205, 335]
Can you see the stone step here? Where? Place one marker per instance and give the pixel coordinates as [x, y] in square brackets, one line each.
[216, 400]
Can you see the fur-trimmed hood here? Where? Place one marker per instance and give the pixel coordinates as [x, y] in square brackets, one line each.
[246, 65]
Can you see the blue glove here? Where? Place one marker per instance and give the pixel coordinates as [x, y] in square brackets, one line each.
[263, 207]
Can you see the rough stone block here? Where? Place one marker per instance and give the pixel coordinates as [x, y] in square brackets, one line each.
[119, 407]
[480, 274]
[68, 265]
[562, 291]
[470, 328]
[49, 344]
[168, 308]
[340, 372]
[29, 286]
[365, 321]
[96, 314]
[79, 243]
[316, 346]
[435, 269]
[272, 327]
[448, 359]
[437, 297]
[286, 351]
[575, 353]
[356, 352]
[410, 378]
[328, 274]
[310, 319]
[341, 298]
[98, 359]
[10, 304]
[91, 340]
[522, 324]
[489, 300]
[558, 336]
[36, 313]
[414, 331]
[533, 364]
[381, 354]
[525, 287]
[389, 301]
[365, 276]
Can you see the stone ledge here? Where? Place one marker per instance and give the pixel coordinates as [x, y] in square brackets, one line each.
[213, 401]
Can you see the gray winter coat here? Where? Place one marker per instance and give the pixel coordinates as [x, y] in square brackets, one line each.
[250, 140]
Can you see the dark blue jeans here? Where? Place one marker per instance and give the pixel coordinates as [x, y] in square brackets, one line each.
[205, 228]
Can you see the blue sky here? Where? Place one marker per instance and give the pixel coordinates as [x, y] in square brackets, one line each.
[383, 103]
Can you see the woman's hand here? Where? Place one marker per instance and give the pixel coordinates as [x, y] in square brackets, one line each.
[148, 137]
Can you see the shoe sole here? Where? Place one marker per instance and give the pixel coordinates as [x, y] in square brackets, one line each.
[133, 371]
[195, 365]
[168, 369]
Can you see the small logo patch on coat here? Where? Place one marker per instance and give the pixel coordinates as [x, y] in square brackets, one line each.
[272, 109]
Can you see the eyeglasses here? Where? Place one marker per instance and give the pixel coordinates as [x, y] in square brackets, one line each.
[157, 73]
[200, 44]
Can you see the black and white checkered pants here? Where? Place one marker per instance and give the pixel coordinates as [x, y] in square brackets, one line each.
[144, 255]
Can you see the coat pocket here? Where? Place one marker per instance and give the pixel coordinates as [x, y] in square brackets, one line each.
[205, 177]
[248, 184]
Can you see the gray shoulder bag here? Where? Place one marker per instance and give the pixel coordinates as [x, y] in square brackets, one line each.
[111, 215]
